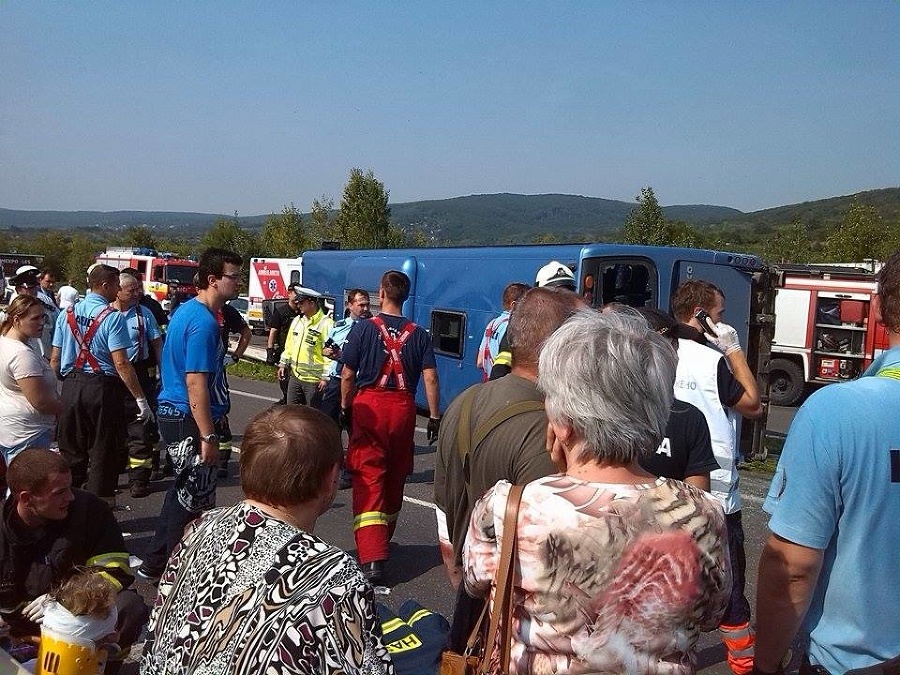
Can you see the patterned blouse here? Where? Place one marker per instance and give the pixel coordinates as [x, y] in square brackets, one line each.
[609, 578]
[247, 593]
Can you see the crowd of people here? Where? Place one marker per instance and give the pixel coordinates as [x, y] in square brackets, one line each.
[621, 425]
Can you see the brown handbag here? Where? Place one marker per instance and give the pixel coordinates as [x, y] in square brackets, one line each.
[476, 659]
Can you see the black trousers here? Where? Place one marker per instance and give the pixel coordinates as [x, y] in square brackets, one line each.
[141, 443]
[92, 429]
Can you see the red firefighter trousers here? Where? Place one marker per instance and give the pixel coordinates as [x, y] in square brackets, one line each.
[379, 457]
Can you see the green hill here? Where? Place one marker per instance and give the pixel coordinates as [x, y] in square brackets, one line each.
[498, 218]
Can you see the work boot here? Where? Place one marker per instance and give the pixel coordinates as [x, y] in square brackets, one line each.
[138, 490]
[739, 642]
[373, 571]
[224, 458]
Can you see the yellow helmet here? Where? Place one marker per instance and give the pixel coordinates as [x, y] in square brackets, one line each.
[60, 654]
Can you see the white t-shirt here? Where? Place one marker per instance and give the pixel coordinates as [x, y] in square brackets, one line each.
[19, 421]
[68, 296]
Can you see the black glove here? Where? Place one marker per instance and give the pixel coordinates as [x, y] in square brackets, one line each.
[271, 359]
[345, 419]
[434, 423]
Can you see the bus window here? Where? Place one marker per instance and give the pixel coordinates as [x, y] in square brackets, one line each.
[448, 331]
[629, 281]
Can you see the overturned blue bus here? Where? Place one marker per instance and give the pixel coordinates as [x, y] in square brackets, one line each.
[456, 291]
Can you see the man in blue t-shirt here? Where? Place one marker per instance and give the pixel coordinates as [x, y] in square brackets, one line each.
[383, 360]
[90, 354]
[831, 560]
[193, 399]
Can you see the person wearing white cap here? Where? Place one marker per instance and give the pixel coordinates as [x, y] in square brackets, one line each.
[302, 360]
[555, 274]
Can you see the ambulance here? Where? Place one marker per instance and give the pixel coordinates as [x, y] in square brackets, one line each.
[270, 279]
[165, 275]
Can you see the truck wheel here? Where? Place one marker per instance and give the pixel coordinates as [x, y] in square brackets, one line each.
[785, 382]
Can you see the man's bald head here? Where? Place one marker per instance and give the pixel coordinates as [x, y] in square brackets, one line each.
[534, 318]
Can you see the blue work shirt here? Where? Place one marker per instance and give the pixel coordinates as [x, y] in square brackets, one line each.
[193, 345]
[837, 490]
[339, 333]
[142, 327]
[112, 335]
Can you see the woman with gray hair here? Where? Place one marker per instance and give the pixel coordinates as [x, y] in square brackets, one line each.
[617, 570]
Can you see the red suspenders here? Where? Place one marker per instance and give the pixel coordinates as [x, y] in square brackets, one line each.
[84, 342]
[392, 364]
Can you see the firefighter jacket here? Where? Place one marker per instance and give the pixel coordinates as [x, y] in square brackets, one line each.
[34, 562]
[303, 349]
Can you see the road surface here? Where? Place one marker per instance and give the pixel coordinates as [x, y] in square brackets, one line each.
[415, 569]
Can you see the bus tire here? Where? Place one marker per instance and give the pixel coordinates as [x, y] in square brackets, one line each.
[785, 382]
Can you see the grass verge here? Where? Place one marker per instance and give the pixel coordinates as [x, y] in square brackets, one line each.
[253, 370]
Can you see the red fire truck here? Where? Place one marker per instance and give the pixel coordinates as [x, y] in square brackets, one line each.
[164, 274]
[825, 329]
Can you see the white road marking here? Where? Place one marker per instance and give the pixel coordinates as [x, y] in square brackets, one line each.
[420, 502]
[251, 395]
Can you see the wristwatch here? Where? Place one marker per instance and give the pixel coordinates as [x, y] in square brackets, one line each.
[210, 438]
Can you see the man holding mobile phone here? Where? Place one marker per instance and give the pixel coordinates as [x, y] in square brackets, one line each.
[713, 375]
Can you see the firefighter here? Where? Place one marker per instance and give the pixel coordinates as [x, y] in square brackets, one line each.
[383, 360]
[47, 531]
[144, 353]
[90, 354]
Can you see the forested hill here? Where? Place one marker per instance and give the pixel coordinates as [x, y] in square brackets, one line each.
[487, 219]
[510, 218]
[482, 219]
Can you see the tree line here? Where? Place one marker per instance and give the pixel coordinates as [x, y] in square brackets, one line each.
[861, 234]
[363, 220]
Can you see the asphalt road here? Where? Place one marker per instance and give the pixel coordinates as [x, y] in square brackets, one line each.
[415, 569]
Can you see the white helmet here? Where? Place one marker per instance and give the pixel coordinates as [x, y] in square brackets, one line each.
[554, 273]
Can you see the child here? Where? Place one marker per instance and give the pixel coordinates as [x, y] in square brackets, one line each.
[80, 622]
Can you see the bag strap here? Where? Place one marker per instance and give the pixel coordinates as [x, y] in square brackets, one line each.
[502, 415]
[503, 601]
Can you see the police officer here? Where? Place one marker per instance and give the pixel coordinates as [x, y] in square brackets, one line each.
[90, 354]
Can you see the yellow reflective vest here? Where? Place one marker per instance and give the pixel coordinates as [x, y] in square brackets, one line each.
[303, 348]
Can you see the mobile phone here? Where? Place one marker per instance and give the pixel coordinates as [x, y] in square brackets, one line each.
[705, 321]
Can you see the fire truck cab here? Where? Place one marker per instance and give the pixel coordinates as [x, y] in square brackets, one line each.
[825, 330]
[164, 275]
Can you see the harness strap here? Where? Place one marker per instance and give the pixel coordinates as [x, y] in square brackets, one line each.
[84, 341]
[392, 364]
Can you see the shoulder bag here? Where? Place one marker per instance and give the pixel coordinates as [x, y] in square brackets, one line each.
[476, 659]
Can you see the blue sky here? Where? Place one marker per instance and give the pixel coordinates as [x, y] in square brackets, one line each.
[248, 106]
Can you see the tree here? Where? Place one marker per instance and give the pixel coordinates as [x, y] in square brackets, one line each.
[364, 220]
[789, 244]
[54, 247]
[82, 254]
[322, 226]
[680, 233]
[284, 234]
[140, 236]
[227, 233]
[860, 235]
[646, 224]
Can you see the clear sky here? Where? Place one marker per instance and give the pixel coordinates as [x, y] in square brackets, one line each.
[248, 106]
